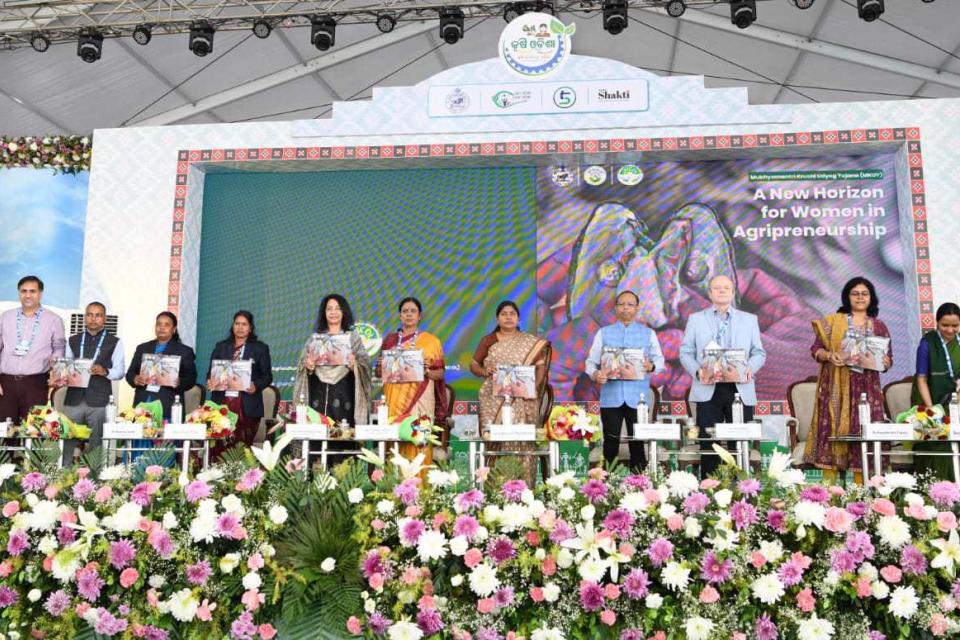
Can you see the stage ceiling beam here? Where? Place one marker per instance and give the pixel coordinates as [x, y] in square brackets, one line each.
[269, 81]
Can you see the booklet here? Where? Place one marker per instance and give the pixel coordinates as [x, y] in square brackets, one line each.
[159, 370]
[516, 381]
[402, 365]
[330, 350]
[72, 372]
[623, 363]
[725, 365]
[861, 352]
[231, 376]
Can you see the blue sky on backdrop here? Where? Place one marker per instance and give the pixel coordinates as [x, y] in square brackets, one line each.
[42, 216]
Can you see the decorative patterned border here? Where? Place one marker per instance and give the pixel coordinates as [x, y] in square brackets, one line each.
[909, 136]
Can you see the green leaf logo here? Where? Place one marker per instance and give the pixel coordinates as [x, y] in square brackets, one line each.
[556, 26]
[570, 29]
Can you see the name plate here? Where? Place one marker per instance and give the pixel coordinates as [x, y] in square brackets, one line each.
[738, 430]
[5, 429]
[888, 431]
[376, 432]
[656, 431]
[307, 431]
[954, 431]
[122, 431]
[513, 433]
[185, 432]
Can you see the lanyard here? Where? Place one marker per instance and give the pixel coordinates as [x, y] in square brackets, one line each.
[239, 356]
[866, 326]
[413, 338]
[946, 352]
[722, 329]
[83, 341]
[33, 333]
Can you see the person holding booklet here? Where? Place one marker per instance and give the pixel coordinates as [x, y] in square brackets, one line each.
[175, 358]
[844, 375]
[508, 345]
[411, 390]
[240, 370]
[735, 335]
[100, 356]
[936, 380]
[621, 358]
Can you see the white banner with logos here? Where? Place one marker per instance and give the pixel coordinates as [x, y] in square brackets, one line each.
[526, 98]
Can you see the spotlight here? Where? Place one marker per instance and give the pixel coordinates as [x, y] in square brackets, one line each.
[323, 32]
[743, 12]
[142, 34]
[386, 22]
[39, 42]
[90, 46]
[451, 24]
[614, 16]
[546, 7]
[201, 38]
[869, 10]
[262, 29]
[513, 11]
[928, 1]
[803, 4]
[675, 8]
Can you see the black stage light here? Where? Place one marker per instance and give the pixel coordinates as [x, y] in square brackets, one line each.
[386, 22]
[614, 16]
[39, 42]
[142, 34]
[675, 8]
[869, 10]
[262, 29]
[323, 32]
[513, 11]
[803, 4]
[743, 12]
[90, 46]
[201, 38]
[451, 25]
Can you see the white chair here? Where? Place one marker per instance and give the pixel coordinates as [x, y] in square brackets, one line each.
[896, 400]
[271, 403]
[59, 397]
[802, 398]
[193, 398]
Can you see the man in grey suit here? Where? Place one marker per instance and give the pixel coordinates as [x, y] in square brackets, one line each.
[720, 325]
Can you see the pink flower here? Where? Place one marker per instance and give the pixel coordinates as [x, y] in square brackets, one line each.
[83, 472]
[51, 491]
[410, 575]
[378, 524]
[801, 560]
[197, 491]
[205, 611]
[439, 520]
[836, 490]
[250, 479]
[757, 559]
[611, 591]
[536, 594]
[549, 566]
[252, 599]
[675, 522]
[838, 520]
[946, 521]
[353, 625]
[266, 631]
[806, 601]
[917, 512]
[412, 511]
[891, 574]
[863, 587]
[548, 519]
[152, 598]
[155, 470]
[709, 595]
[68, 517]
[482, 473]
[427, 602]
[377, 475]
[6, 568]
[884, 507]
[103, 494]
[486, 605]
[255, 562]
[652, 496]
[472, 557]
[376, 581]
[608, 617]
[128, 577]
[709, 483]
[939, 624]
[10, 509]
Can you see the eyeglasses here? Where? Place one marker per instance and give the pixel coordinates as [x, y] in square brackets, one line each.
[860, 294]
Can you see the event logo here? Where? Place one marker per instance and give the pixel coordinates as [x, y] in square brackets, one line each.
[564, 97]
[595, 175]
[536, 45]
[457, 101]
[561, 176]
[506, 99]
[629, 175]
[370, 337]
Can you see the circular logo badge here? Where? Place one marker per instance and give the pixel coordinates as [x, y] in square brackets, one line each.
[561, 176]
[595, 175]
[565, 97]
[630, 175]
[457, 101]
[535, 45]
[369, 336]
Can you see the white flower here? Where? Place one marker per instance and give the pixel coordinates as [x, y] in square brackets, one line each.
[767, 588]
[183, 605]
[170, 521]
[6, 471]
[564, 558]
[355, 495]
[810, 513]
[229, 562]
[832, 578]
[267, 550]
[456, 580]
[904, 602]
[369, 606]
[949, 553]
[34, 595]
[459, 545]
[772, 550]
[723, 497]
[526, 497]
[682, 483]
[232, 504]
[278, 514]
[634, 502]
[439, 478]
[385, 507]
[675, 576]
[561, 479]
[587, 512]
[432, 545]
[44, 515]
[156, 581]
[868, 570]
[815, 629]
[536, 508]
[252, 580]
[698, 628]
[566, 494]
[653, 601]
[551, 592]
[269, 454]
[879, 590]
[483, 580]
[65, 564]
[404, 631]
[116, 472]
[48, 545]
[491, 513]
[514, 517]
[893, 531]
[547, 633]
[126, 519]
[692, 527]
[203, 528]
[32, 500]
[592, 570]
[897, 480]
[210, 475]
[666, 510]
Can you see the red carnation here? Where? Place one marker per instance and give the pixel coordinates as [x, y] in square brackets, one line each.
[223, 411]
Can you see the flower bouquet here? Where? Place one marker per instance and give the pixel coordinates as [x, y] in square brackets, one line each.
[48, 423]
[220, 421]
[335, 430]
[929, 423]
[572, 422]
[149, 414]
[419, 431]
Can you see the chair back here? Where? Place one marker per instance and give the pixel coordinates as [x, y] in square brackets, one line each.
[546, 404]
[896, 397]
[58, 398]
[655, 408]
[802, 398]
[448, 423]
[691, 406]
[271, 402]
[193, 398]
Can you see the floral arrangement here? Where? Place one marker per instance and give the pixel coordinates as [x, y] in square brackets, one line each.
[63, 154]
[419, 431]
[929, 423]
[148, 414]
[572, 422]
[220, 421]
[335, 430]
[48, 423]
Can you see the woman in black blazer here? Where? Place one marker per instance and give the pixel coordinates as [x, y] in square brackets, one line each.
[242, 344]
[168, 343]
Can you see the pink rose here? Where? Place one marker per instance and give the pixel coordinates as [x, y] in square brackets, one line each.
[378, 524]
[863, 587]
[83, 472]
[709, 595]
[946, 521]
[549, 566]
[536, 594]
[47, 563]
[947, 603]
[611, 591]
[10, 509]
[472, 557]
[627, 549]
[412, 511]
[155, 470]
[877, 481]
[486, 605]
[377, 475]
[128, 577]
[884, 507]
[597, 473]
[51, 491]
[252, 599]
[709, 483]
[439, 520]
[353, 625]
[917, 512]
[939, 624]
[103, 494]
[675, 522]
[757, 559]
[6, 568]
[533, 538]
[427, 602]
[68, 517]
[255, 562]
[410, 575]
[838, 520]
[801, 560]
[806, 601]
[82, 608]
[652, 496]
[737, 635]
[836, 490]
[266, 631]
[608, 617]
[376, 581]
[152, 598]
[891, 574]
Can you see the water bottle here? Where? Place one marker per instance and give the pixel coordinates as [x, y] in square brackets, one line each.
[863, 410]
[954, 412]
[110, 412]
[383, 415]
[737, 409]
[302, 409]
[506, 413]
[176, 412]
[643, 413]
